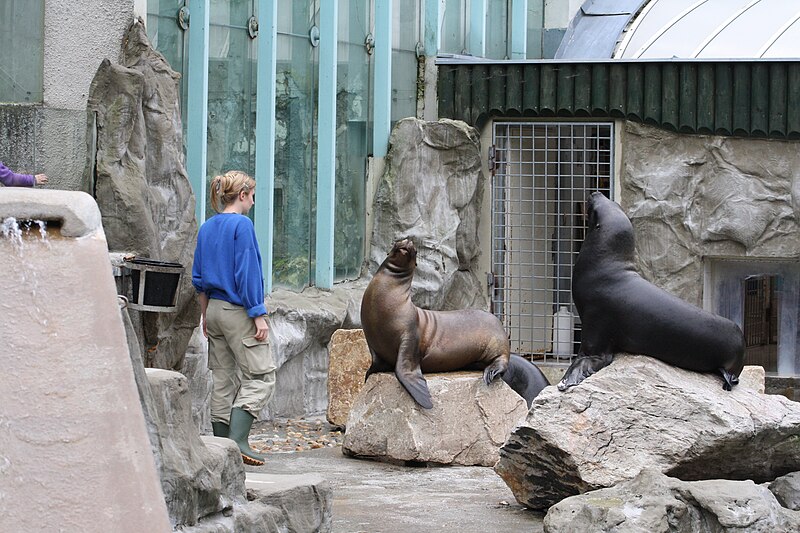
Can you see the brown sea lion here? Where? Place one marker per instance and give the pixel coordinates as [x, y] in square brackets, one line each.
[622, 312]
[409, 341]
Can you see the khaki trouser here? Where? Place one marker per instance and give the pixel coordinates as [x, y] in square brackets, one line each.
[241, 367]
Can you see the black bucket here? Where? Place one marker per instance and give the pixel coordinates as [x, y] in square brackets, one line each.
[154, 284]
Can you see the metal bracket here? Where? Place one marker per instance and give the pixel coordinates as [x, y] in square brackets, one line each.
[183, 18]
[313, 36]
[369, 43]
[252, 27]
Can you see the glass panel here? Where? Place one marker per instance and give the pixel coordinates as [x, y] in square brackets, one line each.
[535, 28]
[352, 114]
[231, 90]
[167, 37]
[21, 29]
[453, 37]
[405, 36]
[497, 30]
[295, 144]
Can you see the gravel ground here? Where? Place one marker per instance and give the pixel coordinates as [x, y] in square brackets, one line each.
[294, 435]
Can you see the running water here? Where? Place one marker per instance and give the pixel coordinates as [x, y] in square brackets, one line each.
[18, 233]
[12, 230]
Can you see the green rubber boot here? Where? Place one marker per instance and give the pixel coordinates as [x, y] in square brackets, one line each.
[241, 422]
[221, 429]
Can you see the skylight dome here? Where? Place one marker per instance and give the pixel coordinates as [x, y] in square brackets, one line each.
[713, 29]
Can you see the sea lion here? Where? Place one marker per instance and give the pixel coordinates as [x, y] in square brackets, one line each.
[409, 341]
[622, 312]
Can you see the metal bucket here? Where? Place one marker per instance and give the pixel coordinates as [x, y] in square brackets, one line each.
[154, 284]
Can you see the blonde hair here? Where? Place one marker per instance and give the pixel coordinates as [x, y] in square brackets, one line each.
[226, 188]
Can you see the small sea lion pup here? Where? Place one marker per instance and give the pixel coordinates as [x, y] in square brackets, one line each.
[409, 341]
[622, 312]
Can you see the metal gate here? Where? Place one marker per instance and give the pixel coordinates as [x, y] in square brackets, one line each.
[542, 174]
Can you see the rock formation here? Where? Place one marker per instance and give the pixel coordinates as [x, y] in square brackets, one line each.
[642, 413]
[348, 361]
[467, 425]
[431, 192]
[140, 182]
[656, 503]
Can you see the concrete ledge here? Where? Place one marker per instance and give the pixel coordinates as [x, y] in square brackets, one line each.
[306, 500]
[76, 212]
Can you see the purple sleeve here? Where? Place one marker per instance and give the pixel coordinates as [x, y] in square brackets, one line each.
[12, 179]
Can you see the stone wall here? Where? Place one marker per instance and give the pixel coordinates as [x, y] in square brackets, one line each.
[696, 196]
[51, 137]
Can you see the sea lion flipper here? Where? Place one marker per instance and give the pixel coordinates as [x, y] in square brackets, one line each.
[582, 367]
[729, 378]
[417, 387]
[409, 372]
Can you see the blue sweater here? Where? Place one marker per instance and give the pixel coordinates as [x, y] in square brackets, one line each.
[227, 263]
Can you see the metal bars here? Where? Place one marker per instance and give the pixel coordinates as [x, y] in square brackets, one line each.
[543, 172]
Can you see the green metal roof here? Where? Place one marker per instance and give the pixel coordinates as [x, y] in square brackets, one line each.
[739, 98]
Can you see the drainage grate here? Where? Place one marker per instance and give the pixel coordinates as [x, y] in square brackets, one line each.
[542, 174]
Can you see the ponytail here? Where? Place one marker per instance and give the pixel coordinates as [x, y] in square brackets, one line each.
[226, 188]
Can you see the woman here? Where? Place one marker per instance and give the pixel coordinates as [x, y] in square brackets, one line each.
[227, 275]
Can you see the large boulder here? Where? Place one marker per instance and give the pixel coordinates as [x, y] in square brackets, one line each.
[431, 191]
[640, 412]
[787, 490]
[655, 503]
[140, 182]
[467, 425]
[349, 360]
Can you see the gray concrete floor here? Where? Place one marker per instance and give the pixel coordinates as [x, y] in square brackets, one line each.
[374, 497]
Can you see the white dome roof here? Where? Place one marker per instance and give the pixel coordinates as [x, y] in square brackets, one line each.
[713, 29]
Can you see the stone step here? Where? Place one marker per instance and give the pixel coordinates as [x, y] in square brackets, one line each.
[306, 500]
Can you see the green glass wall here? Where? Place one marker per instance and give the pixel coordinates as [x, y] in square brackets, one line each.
[21, 28]
[231, 89]
[167, 36]
[295, 151]
[352, 136]
[454, 27]
[406, 35]
[497, 30]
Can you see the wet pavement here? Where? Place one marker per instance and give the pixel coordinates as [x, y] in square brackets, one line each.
[375, 497]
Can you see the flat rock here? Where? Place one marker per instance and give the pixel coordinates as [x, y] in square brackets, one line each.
[467, 425]
[655, 503]
[305, 501]
[642, 413]
[348, 361]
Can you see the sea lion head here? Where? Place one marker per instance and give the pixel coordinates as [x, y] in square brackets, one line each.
[403, 255]
[609, 228]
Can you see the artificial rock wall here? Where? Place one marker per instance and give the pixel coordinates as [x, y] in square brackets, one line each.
[141, 185]
[431, 191]
[696, 196]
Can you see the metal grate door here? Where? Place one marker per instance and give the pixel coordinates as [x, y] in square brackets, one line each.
[542, 175]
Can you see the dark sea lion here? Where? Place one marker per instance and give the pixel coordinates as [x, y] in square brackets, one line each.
[622, 312]
[409, 341]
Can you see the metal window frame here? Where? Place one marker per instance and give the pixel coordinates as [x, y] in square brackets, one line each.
[539, 168]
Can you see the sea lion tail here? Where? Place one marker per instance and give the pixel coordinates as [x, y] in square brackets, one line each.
[524, 378]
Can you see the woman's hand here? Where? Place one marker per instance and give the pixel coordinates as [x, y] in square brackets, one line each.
[262, 329]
